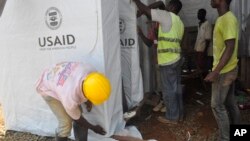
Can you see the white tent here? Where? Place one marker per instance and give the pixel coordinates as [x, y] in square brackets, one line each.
[131, 72]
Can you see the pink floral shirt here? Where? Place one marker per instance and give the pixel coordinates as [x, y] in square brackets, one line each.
[64, 83]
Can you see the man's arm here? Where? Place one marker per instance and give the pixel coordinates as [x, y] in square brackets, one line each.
[96, 128]
[230, 45]
[147, 9]
[146, 40]
[158, 4]
[89, 105]
[143, 8]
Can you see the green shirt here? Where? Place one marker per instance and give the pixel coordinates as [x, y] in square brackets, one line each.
[226, 27]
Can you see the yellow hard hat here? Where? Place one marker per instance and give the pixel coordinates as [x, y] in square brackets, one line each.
[96, 88]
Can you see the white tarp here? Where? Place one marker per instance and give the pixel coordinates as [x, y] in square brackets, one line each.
[35, 34]
[131, 72]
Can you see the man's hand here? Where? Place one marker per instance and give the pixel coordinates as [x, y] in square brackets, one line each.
[98, 129]
[89, 106]
[143, 8]
[138, 14]
[212, 76]
[84, 123]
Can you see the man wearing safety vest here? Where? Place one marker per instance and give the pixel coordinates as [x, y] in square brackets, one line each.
[170, 35]
[65, 87]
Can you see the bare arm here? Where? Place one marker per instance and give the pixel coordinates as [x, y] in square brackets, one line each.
[143, 8]
[84, 123]
[89, 105]
[146, 40]
[158, 4]
[230, 45]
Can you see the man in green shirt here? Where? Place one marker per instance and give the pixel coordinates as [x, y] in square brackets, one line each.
[225, 48]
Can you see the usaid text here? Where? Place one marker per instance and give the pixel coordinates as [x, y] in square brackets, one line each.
[56, 40]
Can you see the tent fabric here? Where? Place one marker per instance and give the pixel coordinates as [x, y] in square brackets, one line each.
[38, 34]
[131, 72]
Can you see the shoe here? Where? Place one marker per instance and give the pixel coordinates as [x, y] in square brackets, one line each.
[163, 109]
[158, 106]
[166, 121]
[128, 115]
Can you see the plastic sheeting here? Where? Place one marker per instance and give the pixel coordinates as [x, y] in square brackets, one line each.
[131, 72]
[38, 34]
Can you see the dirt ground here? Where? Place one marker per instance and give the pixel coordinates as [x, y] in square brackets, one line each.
[199, 123]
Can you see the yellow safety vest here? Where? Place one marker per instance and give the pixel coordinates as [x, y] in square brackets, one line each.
[169, 42]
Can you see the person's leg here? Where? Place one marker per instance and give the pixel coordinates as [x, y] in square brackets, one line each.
[232, 107]
[179, 91]
[231, 104]
[219, 110]
[200, 61]
[219, 94]
[64, 120]
[169, 90]
[80, 132]
[158, 90]
[163, 84]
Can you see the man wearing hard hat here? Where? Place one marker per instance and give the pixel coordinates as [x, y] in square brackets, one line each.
[65, 87]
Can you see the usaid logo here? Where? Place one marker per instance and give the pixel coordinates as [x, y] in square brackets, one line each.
[53, 18]
[122, 25]
[126, 42]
